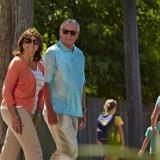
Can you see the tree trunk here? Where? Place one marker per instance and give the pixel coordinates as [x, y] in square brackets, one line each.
[5, 50]
[22, 18]
[132, 74]
[15, 17]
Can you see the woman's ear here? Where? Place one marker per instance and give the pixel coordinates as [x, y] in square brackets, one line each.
[37, 48]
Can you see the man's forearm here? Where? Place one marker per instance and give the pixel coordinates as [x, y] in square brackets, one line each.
[47, 97]
[84, 100]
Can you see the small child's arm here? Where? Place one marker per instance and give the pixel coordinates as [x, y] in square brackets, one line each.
[119, 123]
[143, 147]
[121, 133]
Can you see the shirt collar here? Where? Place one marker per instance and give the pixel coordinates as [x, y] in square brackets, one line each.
[61, 45]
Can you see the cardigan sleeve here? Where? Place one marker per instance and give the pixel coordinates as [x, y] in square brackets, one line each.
[10, 83]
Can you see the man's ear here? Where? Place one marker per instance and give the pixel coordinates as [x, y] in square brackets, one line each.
[77, 35]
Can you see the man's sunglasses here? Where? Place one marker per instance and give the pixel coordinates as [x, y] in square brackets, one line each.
[72, 33]
[29, 41]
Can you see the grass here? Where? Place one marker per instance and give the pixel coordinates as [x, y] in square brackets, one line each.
[125, 153]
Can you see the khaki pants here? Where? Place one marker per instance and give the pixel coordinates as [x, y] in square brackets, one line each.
[65, 136]
[28, 140]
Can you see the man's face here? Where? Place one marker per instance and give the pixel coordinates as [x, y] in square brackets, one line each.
[69, 34]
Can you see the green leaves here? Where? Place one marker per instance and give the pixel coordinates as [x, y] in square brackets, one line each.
[101, 40]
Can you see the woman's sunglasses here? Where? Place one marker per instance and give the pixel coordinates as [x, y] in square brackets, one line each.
[29, 41]
[72, 33]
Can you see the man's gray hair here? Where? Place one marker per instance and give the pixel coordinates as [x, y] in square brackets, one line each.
[71, 21]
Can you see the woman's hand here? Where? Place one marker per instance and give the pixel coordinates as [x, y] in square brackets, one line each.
[17, 124]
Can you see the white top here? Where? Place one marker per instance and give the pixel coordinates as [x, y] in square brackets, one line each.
[39, 84]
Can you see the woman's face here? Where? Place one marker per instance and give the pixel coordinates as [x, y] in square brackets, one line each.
[30, 45]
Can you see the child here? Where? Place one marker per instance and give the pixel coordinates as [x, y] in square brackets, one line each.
[150, 137]
[109, 125]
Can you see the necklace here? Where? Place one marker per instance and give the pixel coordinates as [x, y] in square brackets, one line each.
[30, 63]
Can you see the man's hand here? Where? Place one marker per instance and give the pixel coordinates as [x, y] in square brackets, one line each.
[51, 114]
[82, 121]
[52, 117]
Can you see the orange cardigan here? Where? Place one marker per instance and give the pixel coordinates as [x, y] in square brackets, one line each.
[20, 85]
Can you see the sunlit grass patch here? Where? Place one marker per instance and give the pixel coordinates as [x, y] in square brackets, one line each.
[125, 153]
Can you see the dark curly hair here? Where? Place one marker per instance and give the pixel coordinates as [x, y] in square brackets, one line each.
[28, 34]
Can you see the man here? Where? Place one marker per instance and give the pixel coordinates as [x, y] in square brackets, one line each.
[64, 91]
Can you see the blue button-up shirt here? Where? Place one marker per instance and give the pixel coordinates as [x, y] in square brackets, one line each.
[64, 71]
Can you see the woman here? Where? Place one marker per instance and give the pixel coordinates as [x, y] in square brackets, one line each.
[22, 95]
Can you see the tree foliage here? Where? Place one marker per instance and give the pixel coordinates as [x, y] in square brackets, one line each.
[101, 40]
[149, 40]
